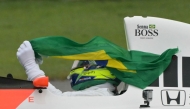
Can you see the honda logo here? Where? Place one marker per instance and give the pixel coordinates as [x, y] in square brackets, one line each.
[173, 97]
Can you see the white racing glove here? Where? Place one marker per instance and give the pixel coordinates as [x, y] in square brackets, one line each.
[25, 55]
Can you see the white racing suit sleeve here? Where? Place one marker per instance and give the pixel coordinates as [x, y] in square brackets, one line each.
[26, 57]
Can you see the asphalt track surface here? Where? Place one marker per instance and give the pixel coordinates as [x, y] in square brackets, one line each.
[63, 85]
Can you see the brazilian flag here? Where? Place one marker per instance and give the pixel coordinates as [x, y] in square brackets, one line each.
[137, 68]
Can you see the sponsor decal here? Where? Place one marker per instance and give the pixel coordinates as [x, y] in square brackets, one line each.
[146, 31]
[30, 99]
[89, 72]
[173, 97]
[85, 78]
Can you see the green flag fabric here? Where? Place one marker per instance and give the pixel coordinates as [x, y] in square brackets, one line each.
[137, 68]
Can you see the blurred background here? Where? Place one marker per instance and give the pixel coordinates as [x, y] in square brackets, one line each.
[79, 20]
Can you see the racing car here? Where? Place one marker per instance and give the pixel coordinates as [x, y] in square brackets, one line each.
[150, 34]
